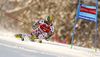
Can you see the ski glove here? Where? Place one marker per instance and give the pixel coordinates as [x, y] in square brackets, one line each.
[47, 38]
[34, 27]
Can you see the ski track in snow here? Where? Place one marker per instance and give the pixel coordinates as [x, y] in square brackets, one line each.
[13, 47]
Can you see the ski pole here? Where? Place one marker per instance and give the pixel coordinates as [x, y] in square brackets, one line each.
[17, 19]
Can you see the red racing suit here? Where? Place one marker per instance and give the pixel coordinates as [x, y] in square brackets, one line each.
[43, 29]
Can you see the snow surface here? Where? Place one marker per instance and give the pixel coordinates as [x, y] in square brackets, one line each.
[13, 47]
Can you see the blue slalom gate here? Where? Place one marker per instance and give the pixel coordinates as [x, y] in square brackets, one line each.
[87, 13]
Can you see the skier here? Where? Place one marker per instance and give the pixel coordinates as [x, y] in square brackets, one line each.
[44, 27]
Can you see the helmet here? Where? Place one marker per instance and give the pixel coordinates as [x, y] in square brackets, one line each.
[49, 18]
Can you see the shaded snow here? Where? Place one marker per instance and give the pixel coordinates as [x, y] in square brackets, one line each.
[13, 47]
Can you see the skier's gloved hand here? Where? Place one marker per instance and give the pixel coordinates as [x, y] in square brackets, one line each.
[34, 27]
[47, 38]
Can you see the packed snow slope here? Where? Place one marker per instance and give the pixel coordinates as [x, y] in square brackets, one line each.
[13, 47]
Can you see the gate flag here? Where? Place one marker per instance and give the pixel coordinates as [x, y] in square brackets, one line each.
[87, 13]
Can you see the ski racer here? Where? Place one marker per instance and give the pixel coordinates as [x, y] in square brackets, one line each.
[41, 30]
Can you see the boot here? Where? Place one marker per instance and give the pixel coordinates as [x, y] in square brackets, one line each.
[19, 36]
[33, 37]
